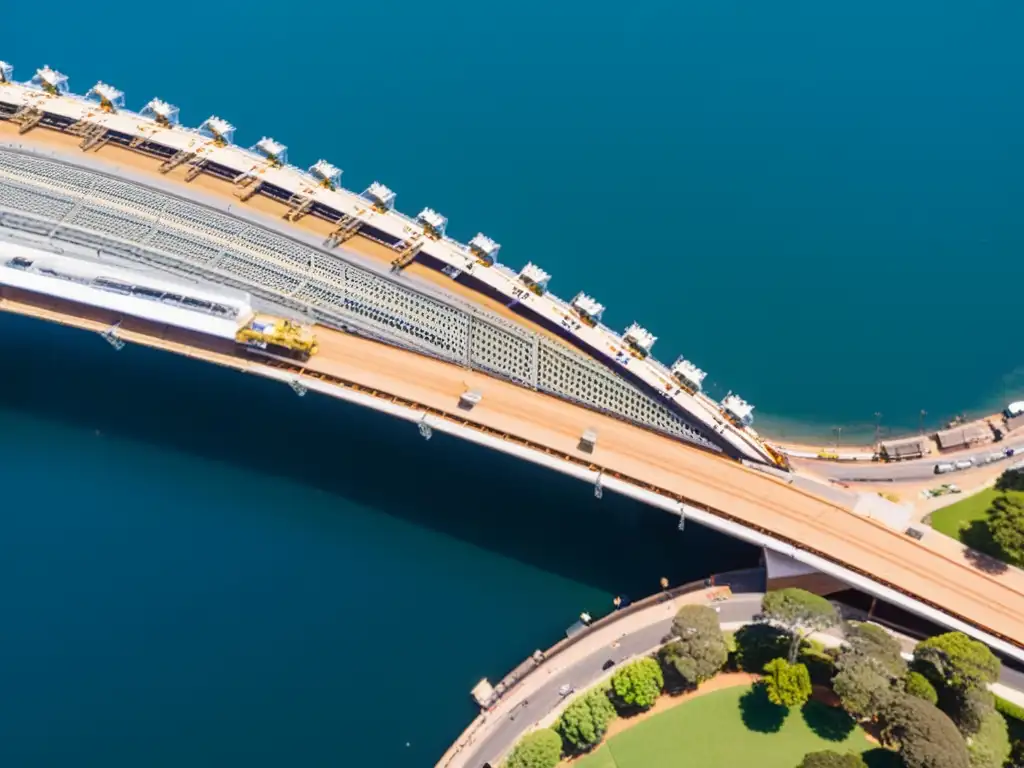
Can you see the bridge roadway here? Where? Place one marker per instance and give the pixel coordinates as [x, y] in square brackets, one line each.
[991, 602]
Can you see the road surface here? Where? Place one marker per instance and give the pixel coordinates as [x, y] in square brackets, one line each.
[907, 471]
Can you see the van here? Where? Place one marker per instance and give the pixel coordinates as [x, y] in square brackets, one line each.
[943, 468]
[1014, 409]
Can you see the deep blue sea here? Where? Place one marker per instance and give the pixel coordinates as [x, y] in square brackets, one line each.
[820, 203]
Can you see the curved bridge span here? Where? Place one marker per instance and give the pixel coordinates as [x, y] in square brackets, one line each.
[538, 396]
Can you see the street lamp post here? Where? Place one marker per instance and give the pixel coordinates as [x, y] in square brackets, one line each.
[921, 423]
[878, 425]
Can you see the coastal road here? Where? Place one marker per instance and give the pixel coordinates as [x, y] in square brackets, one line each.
[907, 471]
[586, 672]
[742, 608]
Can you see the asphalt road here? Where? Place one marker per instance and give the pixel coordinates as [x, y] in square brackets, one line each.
[742, 608]
[906, 471]
[585, 672]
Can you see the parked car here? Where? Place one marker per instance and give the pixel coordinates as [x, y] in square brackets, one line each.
[943, 468]
[965, 463]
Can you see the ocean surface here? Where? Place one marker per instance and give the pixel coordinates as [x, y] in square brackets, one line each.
[818, 203]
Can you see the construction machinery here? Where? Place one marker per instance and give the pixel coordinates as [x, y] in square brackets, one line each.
[278, 337]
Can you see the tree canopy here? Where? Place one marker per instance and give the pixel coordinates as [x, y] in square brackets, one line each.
[863, 686]
[539, 749]
[956, 661]
[800, 612]
[1011, 480]
[1006, 525]
[830, 759]
[585, 721]
[700, 650]
[990, 746]
[916, 684]
[873, 641]
[638, 685]
[926, 737]
[787, 685]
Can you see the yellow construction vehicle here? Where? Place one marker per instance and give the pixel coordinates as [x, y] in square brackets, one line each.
[278, 336]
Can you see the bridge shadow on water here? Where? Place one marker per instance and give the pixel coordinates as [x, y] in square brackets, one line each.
[479, 496]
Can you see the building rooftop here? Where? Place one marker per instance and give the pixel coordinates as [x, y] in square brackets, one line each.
[965, 434]
[904, 447]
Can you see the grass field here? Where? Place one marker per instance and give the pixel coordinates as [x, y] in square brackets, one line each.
[734, 727]
[952, 520]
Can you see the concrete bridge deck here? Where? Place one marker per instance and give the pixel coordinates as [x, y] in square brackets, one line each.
[992, 602]
[991, 605]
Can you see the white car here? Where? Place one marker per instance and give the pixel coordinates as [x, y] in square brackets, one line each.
[943, 468]
[965, 463]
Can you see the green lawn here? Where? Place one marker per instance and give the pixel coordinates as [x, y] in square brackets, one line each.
[734, 727]
[952, 520]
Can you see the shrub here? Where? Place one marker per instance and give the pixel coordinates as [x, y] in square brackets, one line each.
[700, 650]
[638, 685]
[787, 685]
[862, 686]
[917, 685]
[585, 721]
[539, 749]
[1009, 709]
[925, 736]
[990, 746]
[954, 660]
[830, 759]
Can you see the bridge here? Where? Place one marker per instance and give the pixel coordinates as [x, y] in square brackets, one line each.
[407, 345]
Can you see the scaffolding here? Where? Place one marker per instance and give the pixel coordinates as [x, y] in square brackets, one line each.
[639, 340]
[588, 309]
[49, 80]
[382, 198]
[162, 112]
[738, 410]
[107, 96]
[689, 375]
[221, 131]
[327, 175]
[275, 152]
[485, 249]
[534, 278]
[433, 223]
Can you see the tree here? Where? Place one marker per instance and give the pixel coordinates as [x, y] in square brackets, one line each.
[862, 686]
[916, 684]
[873, 641]
[700, 652]
[830, 759]
[1011, 480]
[954, 660]
[539, 749]
[926, 737]
[990, 746]
[800, 613]
[1016, 755]
[787, 685]
[638, 685]
[969, 708]
[757, 644]
[585, 721]
[1006, 525]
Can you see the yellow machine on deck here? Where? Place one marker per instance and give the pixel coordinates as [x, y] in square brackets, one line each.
[278, 336]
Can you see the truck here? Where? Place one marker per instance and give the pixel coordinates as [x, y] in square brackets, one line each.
[278, 337]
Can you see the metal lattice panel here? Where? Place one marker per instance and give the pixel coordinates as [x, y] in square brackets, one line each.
[495, 350]
[394, 306]
[46, 205]
[565, 374]
[188, 239]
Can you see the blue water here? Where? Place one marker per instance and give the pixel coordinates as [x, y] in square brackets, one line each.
[838, 188]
